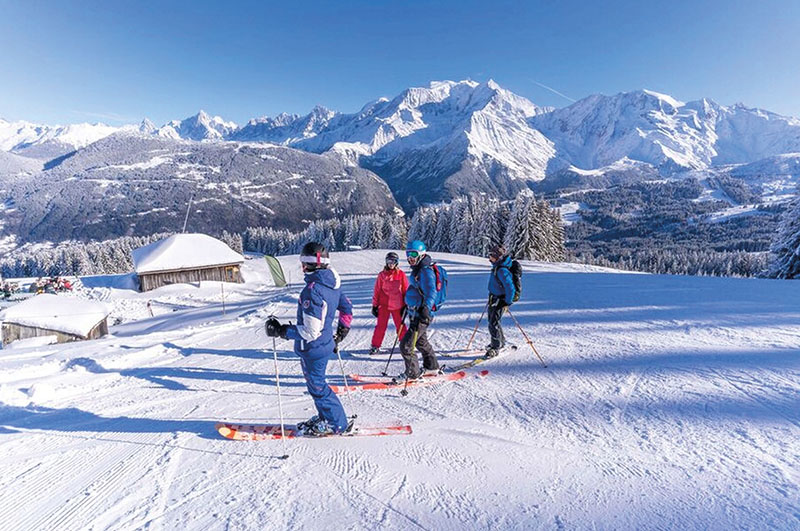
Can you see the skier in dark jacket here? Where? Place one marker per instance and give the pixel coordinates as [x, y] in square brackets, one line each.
[419, 301]
[501, 296]
[314, 338]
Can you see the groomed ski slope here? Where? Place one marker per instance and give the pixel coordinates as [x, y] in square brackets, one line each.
[669, 402]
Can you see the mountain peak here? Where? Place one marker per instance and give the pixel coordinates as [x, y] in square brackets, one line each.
[663, 97]
[147, 127]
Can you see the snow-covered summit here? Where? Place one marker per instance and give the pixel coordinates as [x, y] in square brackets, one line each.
[657, 129]
[201, 126]
[285, 128]
[24, 137]
[433, 133]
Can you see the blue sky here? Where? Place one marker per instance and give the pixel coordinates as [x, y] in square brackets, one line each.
[113, 61]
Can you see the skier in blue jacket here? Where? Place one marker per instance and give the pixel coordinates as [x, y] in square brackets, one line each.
[314, 338]
[419, 301]
[501, 296]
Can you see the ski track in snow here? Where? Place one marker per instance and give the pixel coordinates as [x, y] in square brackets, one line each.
[668, 402]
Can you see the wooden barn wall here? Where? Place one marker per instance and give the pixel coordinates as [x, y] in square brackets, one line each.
[148, 281]
[12, 332]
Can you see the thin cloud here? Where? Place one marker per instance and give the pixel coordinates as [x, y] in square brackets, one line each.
[110, 116]
[554, 91]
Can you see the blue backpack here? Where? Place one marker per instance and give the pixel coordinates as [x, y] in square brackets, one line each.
[441, 286]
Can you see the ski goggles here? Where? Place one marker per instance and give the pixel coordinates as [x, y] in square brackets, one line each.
[412, 254]
[391, 261]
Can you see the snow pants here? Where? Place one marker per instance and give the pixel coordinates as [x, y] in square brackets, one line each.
[495, 328]
[383, 320]
[314, 365]
[429, 361]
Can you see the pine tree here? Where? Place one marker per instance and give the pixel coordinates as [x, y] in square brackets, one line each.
[441, 237]
[785, 250]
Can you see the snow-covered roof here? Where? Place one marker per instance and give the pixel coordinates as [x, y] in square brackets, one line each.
[61, 313]
[183, 251]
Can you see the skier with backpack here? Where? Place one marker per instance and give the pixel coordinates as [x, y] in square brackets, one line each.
[314, 338]
[388, 300]
[426, 292]
[504, 290]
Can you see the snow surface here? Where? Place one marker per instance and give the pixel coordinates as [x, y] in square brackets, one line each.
[183, 251]
[569, 212]
[62, 313]
[668, 402]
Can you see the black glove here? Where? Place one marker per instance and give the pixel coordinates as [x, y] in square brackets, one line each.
[275, 329]
[498, 302]
[375, 311]
[424, 315]
[341, 333]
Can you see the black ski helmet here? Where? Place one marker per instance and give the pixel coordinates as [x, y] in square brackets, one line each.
[392, 256]
[314, 256]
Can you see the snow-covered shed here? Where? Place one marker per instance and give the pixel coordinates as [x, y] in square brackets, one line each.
[67, 318]
[185, 258]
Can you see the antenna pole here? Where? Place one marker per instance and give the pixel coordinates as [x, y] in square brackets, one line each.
[187, 213]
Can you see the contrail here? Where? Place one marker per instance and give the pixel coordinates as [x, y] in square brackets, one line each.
[554, 91]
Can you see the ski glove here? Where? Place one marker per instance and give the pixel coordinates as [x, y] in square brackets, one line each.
[498, 302]
[375, 311]
[341, 333]
[424, 315]
[275, 329]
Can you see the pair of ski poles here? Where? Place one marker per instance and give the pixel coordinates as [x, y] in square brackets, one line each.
[527, 339]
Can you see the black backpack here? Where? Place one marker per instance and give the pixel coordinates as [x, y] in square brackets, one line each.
[516, 278]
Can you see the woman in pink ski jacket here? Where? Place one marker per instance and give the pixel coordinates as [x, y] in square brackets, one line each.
[388, 299]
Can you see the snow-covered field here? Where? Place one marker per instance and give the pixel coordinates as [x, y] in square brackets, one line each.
[668, 403]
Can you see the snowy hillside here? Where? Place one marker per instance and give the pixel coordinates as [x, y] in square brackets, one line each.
[133, 184]
[668, 402]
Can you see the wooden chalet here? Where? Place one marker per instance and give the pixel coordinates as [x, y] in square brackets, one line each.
[185, 258]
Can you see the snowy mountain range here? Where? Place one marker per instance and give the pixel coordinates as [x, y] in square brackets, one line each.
[425, 145]
[459, 137]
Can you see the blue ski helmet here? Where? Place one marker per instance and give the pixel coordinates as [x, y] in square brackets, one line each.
[416, 245]
[415, 250]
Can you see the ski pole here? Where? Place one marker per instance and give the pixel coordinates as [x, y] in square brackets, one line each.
[475, 331]
[526, 337]
[404, 392]
[391, 353]
[346, 383]
[396, 339]
[280, 404]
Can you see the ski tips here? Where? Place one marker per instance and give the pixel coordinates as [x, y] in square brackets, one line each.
[224, 430]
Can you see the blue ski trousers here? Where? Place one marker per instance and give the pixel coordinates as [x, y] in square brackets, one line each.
[329, 407]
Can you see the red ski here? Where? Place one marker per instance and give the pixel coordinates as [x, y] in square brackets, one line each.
[390, 384]
[264, 432]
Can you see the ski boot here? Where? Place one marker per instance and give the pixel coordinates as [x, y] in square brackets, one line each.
[374, 350]
[491, 353]
[427, 373]
[321, 428]
[402, 377]
[306, 424]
